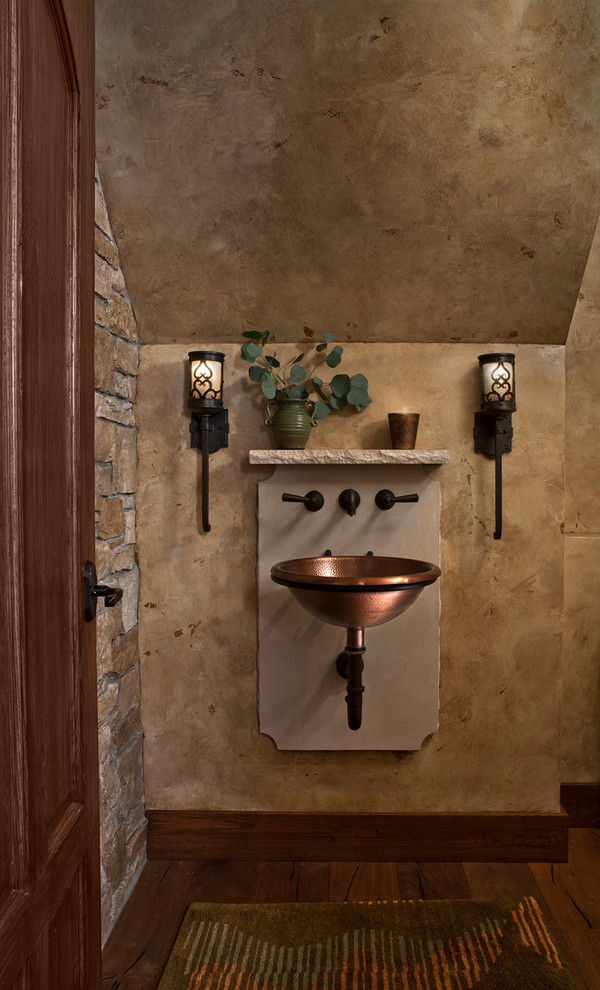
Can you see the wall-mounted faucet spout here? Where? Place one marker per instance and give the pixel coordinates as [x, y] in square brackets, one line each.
[350, 665]
[349, 500]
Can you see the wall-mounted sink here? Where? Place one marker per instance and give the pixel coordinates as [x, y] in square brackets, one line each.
[352, 599]
[355, 592]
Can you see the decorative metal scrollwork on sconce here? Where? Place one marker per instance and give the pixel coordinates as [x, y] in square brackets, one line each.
[493, 425]
[209, 427]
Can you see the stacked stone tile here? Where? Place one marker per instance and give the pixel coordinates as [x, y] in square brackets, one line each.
[122, 819]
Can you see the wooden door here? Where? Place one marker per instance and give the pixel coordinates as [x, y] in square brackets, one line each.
[49, 874]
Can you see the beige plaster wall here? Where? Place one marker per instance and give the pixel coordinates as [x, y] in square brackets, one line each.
[425, 171]
[581, 704]
[497, 748]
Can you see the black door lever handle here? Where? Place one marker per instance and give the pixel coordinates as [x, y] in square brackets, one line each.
[111, 595]
[93, 591]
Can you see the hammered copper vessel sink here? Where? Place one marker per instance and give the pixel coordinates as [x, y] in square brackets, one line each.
[355, 592]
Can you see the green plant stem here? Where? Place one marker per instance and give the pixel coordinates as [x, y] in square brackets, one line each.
[279, 375]
[310, 375]
[276, 375]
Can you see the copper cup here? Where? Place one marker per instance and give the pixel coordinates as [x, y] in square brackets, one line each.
[403, 430]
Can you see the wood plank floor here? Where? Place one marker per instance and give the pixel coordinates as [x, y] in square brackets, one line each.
[139, 945]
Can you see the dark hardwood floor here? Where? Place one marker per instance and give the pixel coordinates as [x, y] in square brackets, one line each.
[139, 945]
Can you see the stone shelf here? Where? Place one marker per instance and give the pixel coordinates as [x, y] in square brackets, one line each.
[349, 456]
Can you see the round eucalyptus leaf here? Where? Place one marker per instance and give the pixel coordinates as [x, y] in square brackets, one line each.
[358, 397]
[340, 385]
[328, 336]
[272, 360]
[334, 357]
[321, 347]
[269, 388]
[359, 381]
[338, 402]
[317, 381]
[297, 374]
[266, 336]
[321, 410]
[252, 334]
[298, 359]
[296, 392]
[250, 351]
[255, 374]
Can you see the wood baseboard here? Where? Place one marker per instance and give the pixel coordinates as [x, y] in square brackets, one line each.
[582, 804]
[441, 838]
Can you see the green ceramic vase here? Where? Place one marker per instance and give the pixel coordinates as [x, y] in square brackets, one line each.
[291, 420]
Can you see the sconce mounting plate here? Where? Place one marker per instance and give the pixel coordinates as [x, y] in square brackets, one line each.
[491, 430]
[216, 429]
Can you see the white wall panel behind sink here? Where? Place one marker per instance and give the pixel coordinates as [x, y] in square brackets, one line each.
[301, 696]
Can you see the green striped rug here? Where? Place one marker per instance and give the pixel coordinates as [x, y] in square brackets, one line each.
[404, 945]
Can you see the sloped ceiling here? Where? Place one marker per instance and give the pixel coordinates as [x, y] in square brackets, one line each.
[384, 169]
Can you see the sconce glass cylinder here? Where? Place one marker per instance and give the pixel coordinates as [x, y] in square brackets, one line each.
[206, 381]
[497, 373]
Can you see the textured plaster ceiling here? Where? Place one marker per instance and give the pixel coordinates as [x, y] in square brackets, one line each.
[423, 171]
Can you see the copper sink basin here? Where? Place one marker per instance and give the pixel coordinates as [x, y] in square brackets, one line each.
[355, 592]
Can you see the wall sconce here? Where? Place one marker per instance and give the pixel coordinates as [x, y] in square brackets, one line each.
[493, 425]
[209, 427]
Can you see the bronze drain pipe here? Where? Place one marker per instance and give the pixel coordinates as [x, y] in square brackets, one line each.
[350, 665]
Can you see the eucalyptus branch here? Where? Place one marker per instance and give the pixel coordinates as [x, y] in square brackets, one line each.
[294, 381]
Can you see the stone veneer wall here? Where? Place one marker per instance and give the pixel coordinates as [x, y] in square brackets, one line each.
[581, 678]
[122, 818]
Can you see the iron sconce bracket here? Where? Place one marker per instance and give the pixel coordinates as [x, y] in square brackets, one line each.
[493, 437]
[493, 425]
[209, 426]
[216, 430]
[209, 432]
[491, 432]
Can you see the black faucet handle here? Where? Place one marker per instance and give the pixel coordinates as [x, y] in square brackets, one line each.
[313, 501]
[385, 499]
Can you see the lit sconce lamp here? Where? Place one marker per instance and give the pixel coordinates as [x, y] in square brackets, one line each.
[209, 427]
[493, 425]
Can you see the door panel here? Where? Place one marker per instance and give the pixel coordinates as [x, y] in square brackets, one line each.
[49, 872]
[12, 722]
[49, 155]
[65, 939]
